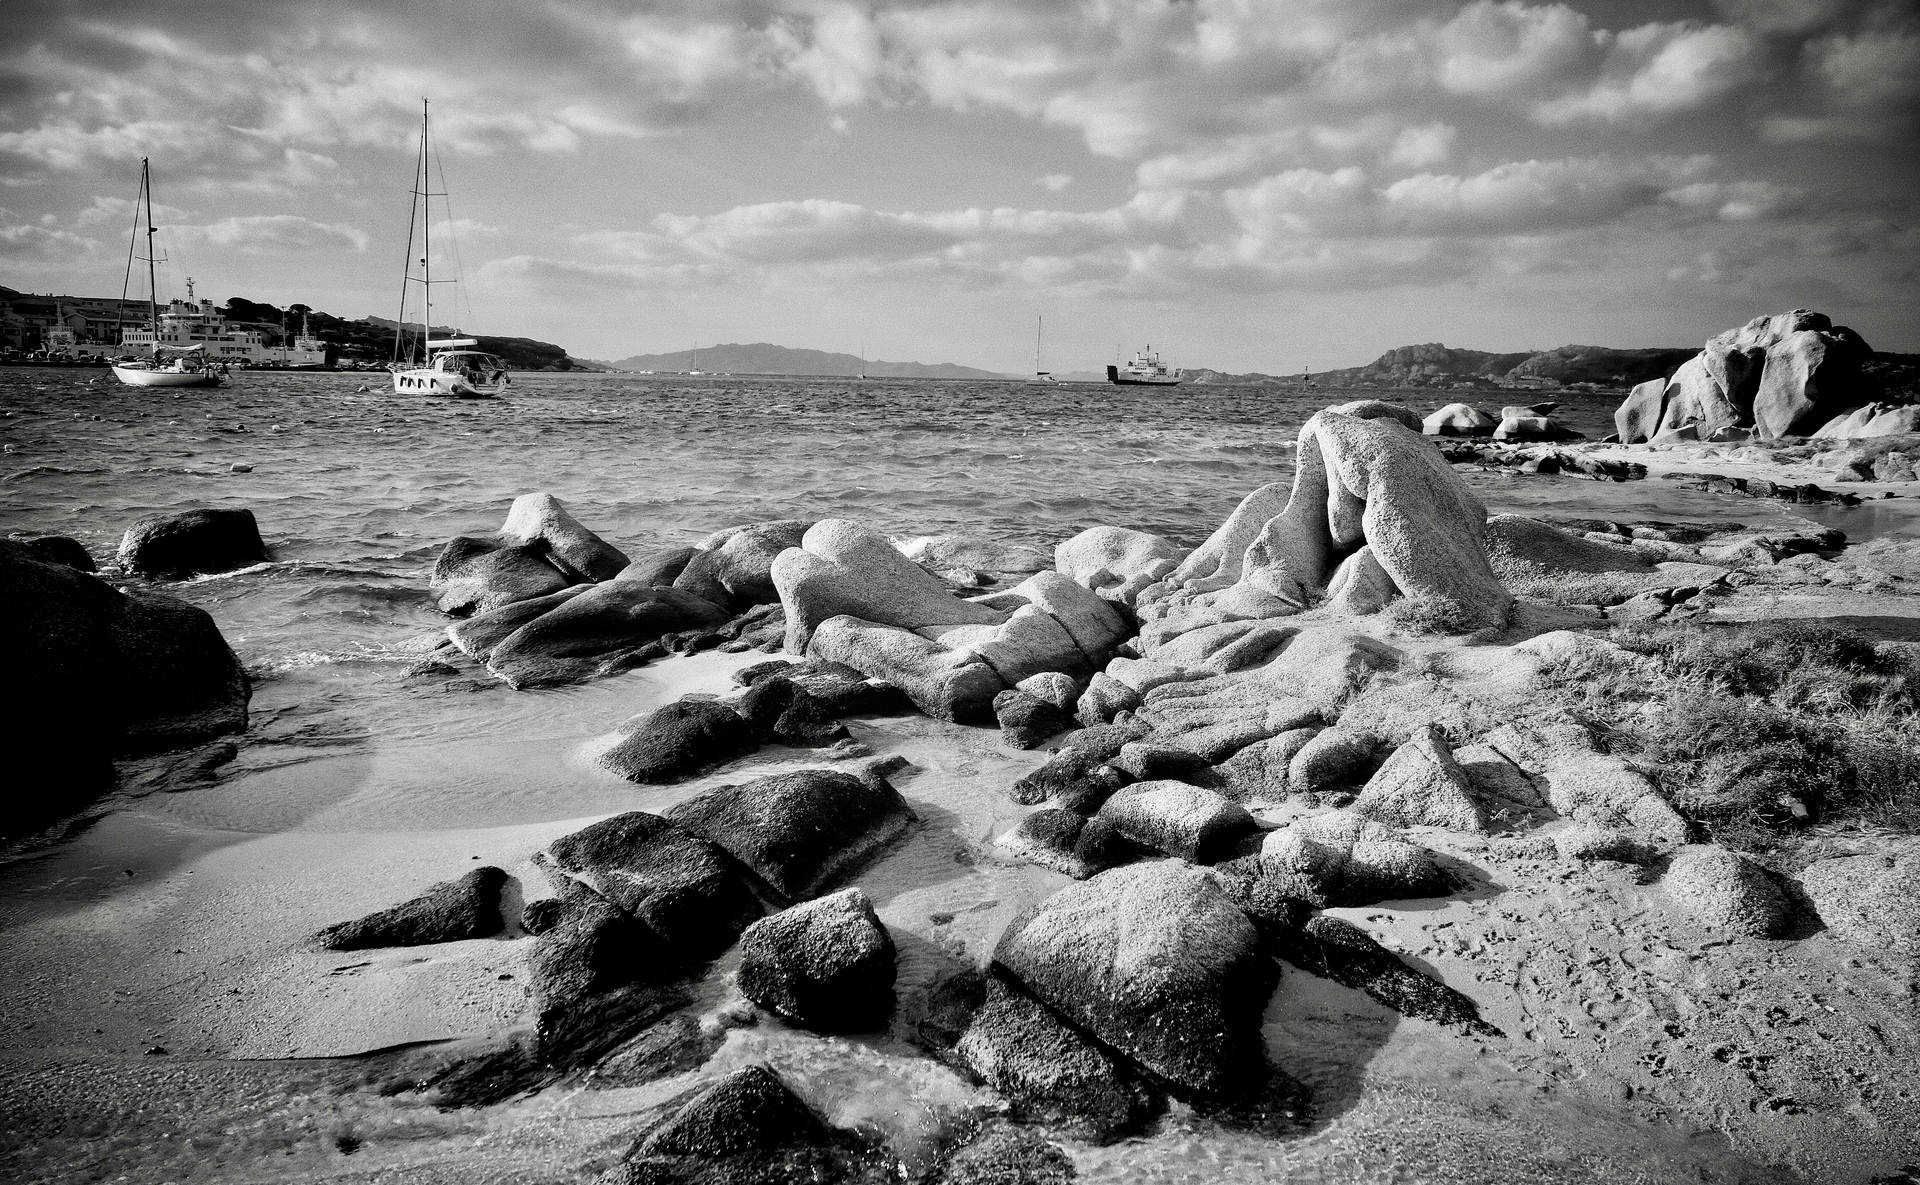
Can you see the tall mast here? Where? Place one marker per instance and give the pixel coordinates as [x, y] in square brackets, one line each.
[153, 306]
[1038, 321]
[426, 242]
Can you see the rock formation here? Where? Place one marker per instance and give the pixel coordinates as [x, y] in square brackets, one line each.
[1789, 374]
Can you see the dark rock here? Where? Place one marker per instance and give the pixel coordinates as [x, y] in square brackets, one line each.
[678, 740]
[658, 568]
[1104, 741]
[58, 549]
[1046, 1070]
[1341, 951]
[448, 912]
[597, 976]
[783, 710]
[1004, 1154]
[1148, 762]
[1104, 698]
[1026, 720]
[192, 543]
[674, 1046]
[799, 832]
[1349, 860]
[683, 888]
[601, 631]
[475, 575]
[542, 914]
[1070, 778]
[108, 673]
[748, 1128]
[1278, 905]
[826, 964]
[476, 636]
[1047, 837]
[1156, 962]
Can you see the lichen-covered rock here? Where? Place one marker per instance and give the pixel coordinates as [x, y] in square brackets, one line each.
[476, 636]
[1259, 771]
[1728, 893]
[468, 907]
[476, 575]
[1045, 1069]
[1003, 1154]
[1178, 819]
[1521, 548]
[657, 568]
[541, 522]
[190, 543]
[944, 683]
[826, 964]
[1352, 861]
[1156, 962]
[801, 832]
[1071, 778]
[678, 740]
[1421, 785]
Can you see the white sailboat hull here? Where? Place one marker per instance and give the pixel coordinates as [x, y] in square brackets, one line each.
[143, 375]
[426, 381]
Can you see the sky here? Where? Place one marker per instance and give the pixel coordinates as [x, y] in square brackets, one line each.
[1245, 185]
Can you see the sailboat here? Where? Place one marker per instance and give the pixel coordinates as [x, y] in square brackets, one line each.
[454, 366]
[170, 366]
[1040, 376]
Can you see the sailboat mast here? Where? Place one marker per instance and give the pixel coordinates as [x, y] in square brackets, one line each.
[426, 242]
[1037, 323]
[153, 304]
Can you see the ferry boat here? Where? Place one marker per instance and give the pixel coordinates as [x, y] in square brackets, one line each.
[185, 324]
[1145, 369]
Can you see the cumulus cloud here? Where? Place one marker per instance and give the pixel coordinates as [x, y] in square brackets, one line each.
[1658, 70]
[22, 244]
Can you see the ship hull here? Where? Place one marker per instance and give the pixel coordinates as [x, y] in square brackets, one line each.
[136, 376]
[1120, 379]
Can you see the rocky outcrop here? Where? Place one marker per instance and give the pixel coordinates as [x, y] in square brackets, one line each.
[1154, 961]
[192, 543]
[734, 568]
[1787, 374]
[475, 575]
[1177, 819]
[448, 912]
[850, 597]
[800, 833]
[826, 964]
[1116, 562]
[1367, 484]
[1341, 951]
[678, 740]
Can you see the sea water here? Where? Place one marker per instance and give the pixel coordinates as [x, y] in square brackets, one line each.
[348, 763]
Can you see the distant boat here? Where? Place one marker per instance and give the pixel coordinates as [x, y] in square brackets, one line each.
[1040, 376]
[454, 366]
[169, 366]
[1145, 369]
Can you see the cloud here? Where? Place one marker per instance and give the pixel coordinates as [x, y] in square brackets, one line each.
[1054, 182]
[40, 243]
[1659, 70]
[258, 234]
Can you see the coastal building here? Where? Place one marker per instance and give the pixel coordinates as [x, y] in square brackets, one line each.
[187, 323]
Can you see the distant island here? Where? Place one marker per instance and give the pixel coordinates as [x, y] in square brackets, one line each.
[764, 358]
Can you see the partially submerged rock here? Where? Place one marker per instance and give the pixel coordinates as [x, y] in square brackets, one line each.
[825, 964]
[603, 630]
[190, 543]
[678, 740]
[681, 887]
[448, 912]
[749, 1128]
[541, 523]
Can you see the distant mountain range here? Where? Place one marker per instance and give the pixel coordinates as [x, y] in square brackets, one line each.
[1435, 365]
[762, 358]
